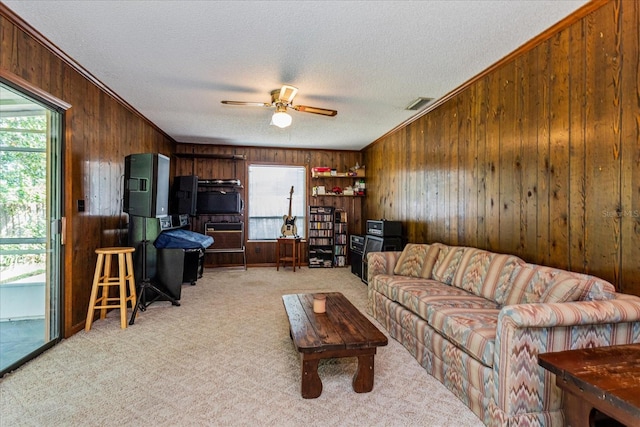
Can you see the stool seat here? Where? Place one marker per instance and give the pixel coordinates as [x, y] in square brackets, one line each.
[115, 250]
[103, 280]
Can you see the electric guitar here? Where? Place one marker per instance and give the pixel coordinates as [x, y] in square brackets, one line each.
[289, 227]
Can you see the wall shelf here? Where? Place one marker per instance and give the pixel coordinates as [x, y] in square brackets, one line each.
[337, 195]
[358, 174]
[326, 173]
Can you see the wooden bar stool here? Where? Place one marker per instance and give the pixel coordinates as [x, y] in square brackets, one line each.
[102, 279]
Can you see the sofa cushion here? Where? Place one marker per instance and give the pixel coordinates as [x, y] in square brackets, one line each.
[563, 289]
[413, 292]
[466, 301]
[422, 299]
[528, 284]
[430, 261]
[485, 273]
[471, 329]
[458, 276]
[596, 289]
[387, 284]
[536, 283]
[447, 263]
[412, 259]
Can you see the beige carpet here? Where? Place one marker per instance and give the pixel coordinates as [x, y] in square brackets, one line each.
[224, 357]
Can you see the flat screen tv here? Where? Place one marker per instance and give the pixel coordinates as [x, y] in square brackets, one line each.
[218, 202]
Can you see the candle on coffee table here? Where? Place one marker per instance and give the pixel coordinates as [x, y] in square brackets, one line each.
[319, 303]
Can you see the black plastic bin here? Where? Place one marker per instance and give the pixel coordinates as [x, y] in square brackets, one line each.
[180, 248]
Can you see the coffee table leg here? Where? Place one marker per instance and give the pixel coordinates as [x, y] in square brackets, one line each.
[311, 382]
[363, 378]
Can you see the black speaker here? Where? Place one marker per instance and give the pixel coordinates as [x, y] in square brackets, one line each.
[184, 193]
[146, 185]
[356, 263]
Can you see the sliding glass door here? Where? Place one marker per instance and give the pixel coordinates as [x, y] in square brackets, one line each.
[30, 226]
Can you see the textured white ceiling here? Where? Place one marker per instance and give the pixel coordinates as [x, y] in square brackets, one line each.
[174, 61]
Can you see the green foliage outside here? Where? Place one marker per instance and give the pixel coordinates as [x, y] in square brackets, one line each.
[23, 180]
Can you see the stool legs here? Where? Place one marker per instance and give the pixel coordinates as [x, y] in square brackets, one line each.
[102, 281]
[133, 298]
[94, 292]
[104, 295]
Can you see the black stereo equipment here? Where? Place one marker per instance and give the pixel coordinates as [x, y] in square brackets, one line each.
[356, 243]
[226, 235]
[384, 228]
[172, 222]
[183, 195]
[219, 182]
[146, 185]
[222, 226]
[218, 202]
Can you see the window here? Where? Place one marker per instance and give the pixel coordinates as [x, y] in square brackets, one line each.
[269, 188]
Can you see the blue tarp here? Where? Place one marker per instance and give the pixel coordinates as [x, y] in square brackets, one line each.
[182, 239]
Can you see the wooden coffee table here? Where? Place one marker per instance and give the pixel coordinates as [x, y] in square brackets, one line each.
[342, 331]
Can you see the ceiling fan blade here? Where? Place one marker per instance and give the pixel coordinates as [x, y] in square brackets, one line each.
[287, 93]
[251, 104]
[314, 110]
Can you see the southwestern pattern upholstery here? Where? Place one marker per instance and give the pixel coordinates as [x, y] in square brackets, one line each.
[477, 321]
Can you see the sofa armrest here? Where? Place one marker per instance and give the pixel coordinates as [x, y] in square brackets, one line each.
[381, 263]
[525, 330]
[549, 315]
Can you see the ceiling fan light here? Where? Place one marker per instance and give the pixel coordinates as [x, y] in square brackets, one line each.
[281, 119]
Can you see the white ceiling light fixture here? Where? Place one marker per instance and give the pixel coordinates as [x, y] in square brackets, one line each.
[282, 99]
[280, 118]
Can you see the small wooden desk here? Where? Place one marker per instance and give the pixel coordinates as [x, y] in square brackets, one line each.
[603, 378]
[294, 259]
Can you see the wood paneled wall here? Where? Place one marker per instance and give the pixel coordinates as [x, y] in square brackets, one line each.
[539, 158]
[99, 132]
[262, 252]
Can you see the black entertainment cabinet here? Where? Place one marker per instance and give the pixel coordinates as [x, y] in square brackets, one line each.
[220, 205]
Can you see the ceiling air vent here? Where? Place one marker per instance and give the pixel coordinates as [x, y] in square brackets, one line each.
[418, 103]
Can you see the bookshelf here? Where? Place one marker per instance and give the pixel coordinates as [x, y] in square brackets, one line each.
[340, 237]
[321, 243]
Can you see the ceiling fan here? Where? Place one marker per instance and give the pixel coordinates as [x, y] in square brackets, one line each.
[282, 99]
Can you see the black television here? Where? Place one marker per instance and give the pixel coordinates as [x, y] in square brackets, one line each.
[218, 202]
[372, 244]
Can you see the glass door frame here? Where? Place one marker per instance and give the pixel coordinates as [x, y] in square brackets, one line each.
[56, 231]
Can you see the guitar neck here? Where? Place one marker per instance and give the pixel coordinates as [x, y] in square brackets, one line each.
[290, 200]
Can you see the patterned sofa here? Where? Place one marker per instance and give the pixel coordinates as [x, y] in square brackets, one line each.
[476, 321]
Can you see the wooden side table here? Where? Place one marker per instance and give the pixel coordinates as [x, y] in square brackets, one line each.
[603, 378]
[294, 258]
